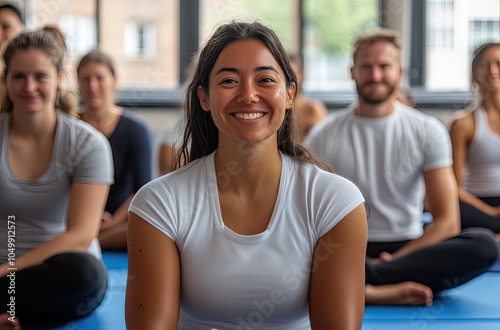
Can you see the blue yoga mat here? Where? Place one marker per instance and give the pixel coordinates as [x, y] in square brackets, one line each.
[495, 267]
[472, 306]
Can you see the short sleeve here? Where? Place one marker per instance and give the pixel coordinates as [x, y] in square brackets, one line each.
[155, 204]
[437, 146]
[343, 198]
[326, 197]
[94, 162]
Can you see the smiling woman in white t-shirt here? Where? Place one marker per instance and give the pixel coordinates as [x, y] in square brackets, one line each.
[251, 232]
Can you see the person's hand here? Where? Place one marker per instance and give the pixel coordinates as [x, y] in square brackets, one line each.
[107, 220]
[497, 212]
[385, 256]
[494, 211]
[382, 257]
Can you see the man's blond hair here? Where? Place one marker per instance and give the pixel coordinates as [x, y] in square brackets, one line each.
[381, 34]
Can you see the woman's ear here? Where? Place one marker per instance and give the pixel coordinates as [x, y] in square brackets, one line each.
[203, 97]
[290, 95]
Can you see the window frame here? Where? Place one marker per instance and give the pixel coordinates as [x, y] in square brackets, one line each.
[188, 45]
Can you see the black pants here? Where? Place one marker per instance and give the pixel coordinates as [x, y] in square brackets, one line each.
[65, 287]
[441, 266]
[472, 217]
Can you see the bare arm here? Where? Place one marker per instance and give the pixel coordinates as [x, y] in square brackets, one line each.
[337, 289]
[113, 233]
[153, 284]
[461, 133]
[120, 215]
[83, 219]
[442, 198]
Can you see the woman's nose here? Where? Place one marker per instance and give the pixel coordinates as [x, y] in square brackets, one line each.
[248, 93]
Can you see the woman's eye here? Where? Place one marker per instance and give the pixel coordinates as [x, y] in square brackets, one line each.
[267, 80]
[228, 81]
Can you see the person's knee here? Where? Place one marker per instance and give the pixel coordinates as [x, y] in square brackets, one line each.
[483, 244]
[93, 281]
[87, 282]
[77, 283]
[84, 267]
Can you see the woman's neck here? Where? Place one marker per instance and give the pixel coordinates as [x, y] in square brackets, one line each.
[33, 125]
[98, 114]
[492, 101]
[248, 169]
[103, 119]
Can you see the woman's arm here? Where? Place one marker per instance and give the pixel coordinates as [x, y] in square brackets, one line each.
[113, 231]
[153, 286]
[83, 219]
[337, 289]
[120, 215]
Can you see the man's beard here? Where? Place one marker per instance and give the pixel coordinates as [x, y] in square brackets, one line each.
[376, 98]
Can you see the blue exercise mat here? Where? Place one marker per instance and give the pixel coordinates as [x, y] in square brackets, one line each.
[472, 306]
[430, 325]
[495, 267]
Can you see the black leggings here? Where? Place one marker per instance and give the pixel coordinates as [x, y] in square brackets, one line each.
[441, 266]
[472, 217]
[64, 287]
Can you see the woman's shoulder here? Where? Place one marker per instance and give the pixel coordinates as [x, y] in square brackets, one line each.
[327, 196]
[77, 127]
[133, 127]
[132, 119]
[84, 150]
[461, 117]
[79, 135]
[462, 124]
[318, 178]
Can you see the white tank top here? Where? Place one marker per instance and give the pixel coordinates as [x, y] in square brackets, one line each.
[483, 159]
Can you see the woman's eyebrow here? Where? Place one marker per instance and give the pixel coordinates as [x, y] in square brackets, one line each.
[260, 68]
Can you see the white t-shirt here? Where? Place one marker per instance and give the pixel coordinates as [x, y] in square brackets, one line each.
[233, 281]
[386, 157]
[39, 206]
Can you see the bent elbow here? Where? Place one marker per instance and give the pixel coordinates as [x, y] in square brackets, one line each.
[453, 229]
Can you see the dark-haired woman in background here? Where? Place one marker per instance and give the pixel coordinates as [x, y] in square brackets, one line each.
[129, 137]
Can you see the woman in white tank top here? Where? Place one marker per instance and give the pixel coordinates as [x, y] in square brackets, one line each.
[476, 145]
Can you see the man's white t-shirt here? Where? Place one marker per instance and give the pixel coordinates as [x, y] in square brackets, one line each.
[386, 157]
